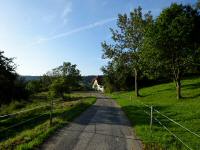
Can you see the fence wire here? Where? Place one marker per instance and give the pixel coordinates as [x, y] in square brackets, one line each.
[23, 111]
[23, 122]
[177, 123]
[156, 119]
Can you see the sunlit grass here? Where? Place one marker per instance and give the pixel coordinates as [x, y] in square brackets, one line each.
[34, 132]
[163, 97]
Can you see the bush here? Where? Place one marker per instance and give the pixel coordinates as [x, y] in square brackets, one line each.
[33, 87]
[14, 105]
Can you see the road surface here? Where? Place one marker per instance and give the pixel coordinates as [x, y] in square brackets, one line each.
[101, 127]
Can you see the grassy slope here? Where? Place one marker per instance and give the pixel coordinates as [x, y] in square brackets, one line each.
[33, 133]
[38, 99]
[163, 97]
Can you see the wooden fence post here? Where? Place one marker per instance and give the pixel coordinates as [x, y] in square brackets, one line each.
[51, 112]
[151, 119]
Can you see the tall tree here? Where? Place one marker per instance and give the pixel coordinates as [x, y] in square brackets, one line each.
[127, 41]
[45, 82]
[7, 78]
[198, 4]
[117, 76]
[65, 79]
[174, 40]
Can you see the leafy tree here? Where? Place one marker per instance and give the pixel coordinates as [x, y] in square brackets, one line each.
[12, 87]
[59, 87]
[7, 78]
[33, 86]
[173, 41]
[127, 41]
[70, 73]
[19, 90]
[117, 76]
[65, 79]
[198, 4]
[45, 82]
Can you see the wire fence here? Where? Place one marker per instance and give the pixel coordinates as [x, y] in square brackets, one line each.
[25, 112]
[28, 110]
[22, 122]
[150, 113]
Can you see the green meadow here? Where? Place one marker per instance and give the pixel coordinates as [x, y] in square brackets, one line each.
[33, 127]
[163, 98]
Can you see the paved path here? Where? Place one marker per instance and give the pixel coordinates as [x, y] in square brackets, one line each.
[102, 127]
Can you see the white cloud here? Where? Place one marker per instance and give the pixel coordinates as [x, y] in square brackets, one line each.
[83, 28]
[67, 9]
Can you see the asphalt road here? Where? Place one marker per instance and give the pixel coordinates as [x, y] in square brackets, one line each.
[101, 127]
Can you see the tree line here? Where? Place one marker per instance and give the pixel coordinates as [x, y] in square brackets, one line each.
[11, 86]
[60, 80]
[147, 48]
[56, 83]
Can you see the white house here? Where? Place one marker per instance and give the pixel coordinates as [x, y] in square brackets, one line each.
[97, 84]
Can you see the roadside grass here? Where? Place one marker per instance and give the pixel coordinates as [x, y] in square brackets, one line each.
[33, 133]
[37, 99]
[163, 98]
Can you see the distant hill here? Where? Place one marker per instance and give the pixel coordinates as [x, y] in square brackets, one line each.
[31, 78]
[86, 79]
[87, 82]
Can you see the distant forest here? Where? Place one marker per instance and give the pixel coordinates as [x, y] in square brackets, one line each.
[86, 79]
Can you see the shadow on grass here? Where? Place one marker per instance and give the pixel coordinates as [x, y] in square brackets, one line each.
[190, 97]
[192, 86]
[111, 115]
[138, 117]
[66, 115]
[159, 91]
[5, 134]
[187, 86]
[71, 98]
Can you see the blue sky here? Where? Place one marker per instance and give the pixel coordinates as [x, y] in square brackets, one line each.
[42, 34]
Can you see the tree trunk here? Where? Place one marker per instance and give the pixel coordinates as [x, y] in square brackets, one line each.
[136, 83]
[178, 85]
[63, 96]
[178, 88]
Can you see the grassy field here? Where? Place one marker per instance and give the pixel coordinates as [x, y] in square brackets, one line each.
[163, 98]
[29, 135]
[35, 100]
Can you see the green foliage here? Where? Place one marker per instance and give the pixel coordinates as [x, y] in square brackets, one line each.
[171, 43]
[65, 78]
[124, 53]
[117, 77]
[165, 48]
[7, 78]
[11, 86]
[198, 4]
[58, 87]
[45, 82]
[14, 105]
[86, 83]
[33, 86]
[34, 100]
